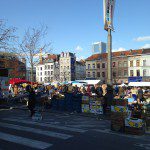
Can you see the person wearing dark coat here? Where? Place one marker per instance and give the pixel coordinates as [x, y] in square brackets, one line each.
[31, 102]
[108, 97]
[99, 91]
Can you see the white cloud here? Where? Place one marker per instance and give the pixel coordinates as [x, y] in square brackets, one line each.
[146, 46]
[142, 38]
[78, 48]
[119, 49]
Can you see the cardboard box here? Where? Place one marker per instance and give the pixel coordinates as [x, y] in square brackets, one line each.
[119, 108]
[134, 122]
[135, 131]
[96, 109]
[85, 108]
[119, 102]
[85, 98]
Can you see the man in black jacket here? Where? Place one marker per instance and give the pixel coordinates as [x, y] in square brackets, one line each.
[31, 102]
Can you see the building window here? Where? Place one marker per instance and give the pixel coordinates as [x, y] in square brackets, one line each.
[51, 66]
[48, 72]
[51, 78]
[119, 73]
[41, 68]
[144, 62]
[138, 63]
[131, 73]
[48, 79]
[125, 73]
[144, 72]
[48, 66]
[98, 65]
[51, 72]
[103, 74]
[88, 66]
[138, 72]
[98, 74]
[45, 72]
[120, 64]
[68, 67]
[41, 79]
[131, 63]
[103, 65]
[125, 64]
[41, 73]
[88, 74]
[93, 66]
[94, 74]
[114, 64]
[45, 79]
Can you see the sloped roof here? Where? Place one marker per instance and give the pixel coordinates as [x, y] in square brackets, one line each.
[115, 54]
[146, 51]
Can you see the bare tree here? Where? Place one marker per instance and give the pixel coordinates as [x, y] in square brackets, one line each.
[7, 36]
[31, 45]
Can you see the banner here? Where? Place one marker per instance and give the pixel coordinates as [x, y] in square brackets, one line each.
[108, 7]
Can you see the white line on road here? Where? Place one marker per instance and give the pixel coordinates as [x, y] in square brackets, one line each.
[37, 131]
[145, 146]
[24, 141]
[46, 125]
[80, 126]
[108, 131]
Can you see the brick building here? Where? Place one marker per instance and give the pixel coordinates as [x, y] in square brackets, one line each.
[16, 67]
[96, 65]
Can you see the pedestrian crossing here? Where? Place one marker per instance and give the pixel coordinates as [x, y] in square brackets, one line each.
[10, 126]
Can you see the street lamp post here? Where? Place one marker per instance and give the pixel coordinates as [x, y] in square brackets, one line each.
[108, 26]
[109, 57]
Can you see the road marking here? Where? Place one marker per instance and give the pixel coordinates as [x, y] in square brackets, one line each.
[46, 125]
[37, 131]
[80, 126]
[145, 146]
[24, 141]
[108, 131]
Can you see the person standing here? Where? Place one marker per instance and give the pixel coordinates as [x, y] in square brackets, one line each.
[134, 92]
[31, 102]
[140, 95]
[15, 90]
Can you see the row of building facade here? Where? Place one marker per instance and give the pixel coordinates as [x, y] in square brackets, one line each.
[131, 63]
[64, 67]
[60, 68]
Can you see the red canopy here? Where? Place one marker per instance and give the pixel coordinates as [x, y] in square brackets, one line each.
[18, 81]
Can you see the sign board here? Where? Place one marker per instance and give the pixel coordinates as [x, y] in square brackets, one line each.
[134, 79]
[108, 7]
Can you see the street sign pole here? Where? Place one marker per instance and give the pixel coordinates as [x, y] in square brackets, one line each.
[109, 57]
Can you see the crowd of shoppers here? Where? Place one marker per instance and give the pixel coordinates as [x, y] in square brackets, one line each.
[106, 92]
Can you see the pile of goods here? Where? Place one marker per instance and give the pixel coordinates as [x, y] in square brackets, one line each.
[85, 104]
[119, 112]
[134, 123]
[92, 105]
[129, 119]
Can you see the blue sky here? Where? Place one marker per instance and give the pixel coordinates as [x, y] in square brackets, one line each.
[73, 25]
